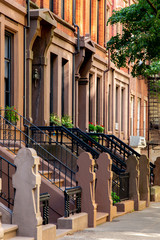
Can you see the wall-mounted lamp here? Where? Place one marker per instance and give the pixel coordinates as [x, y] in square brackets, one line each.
[36, 76]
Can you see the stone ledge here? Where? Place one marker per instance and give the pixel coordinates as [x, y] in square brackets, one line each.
[155, 193]
[125, 206]
[48, 232]
[75, 222]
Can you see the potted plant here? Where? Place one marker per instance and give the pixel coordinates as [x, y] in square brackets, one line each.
[11, 114]
[66, 121]
[92, 127]
[55, 120]
[99, 128]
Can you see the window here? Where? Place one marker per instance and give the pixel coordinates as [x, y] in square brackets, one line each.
[132, 116]
[117, 96]
[7, 94]
[62, 8]
[144, 119]
[90, 17]
[138, 116]
[51, 5]
[90, 97]
[98, 101]
[64, 73]
[106, 27]
[74, 11]
[98, 20]
[122, 109]
[109, 108]
[52, 57]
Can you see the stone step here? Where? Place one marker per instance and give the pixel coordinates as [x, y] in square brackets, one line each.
[119, 214]
[114, 211]
[57, 182]
[76, 222]
[101, 218]
[125, 206]
[142, 205]
[13, 150]
[21, 238]
[48, 231]
[46, 174]
[62, 232]
[10, 230]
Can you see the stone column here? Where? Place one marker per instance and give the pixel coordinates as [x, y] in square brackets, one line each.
[76, 99]
[133, 170]
[104, 184]
[86, 179]
[26, 181]
[83, 104]
[144, 179]
[156, 172]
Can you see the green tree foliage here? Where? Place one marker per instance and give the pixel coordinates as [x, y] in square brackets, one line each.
[139, 42]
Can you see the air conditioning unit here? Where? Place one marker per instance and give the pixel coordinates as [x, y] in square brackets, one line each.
[137, 141]
[116, 126]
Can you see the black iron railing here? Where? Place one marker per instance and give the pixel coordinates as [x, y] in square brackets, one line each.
[118, 162]
[118, 148]
[59, 165]
[76, 139]
[44, 203]
[72, 201]
[124, 147]
[120, 186]
[7, 193]
[63, 136]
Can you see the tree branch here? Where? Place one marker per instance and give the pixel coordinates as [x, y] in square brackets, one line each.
[152, 6]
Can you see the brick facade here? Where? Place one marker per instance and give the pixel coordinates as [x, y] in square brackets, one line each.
[94, 90]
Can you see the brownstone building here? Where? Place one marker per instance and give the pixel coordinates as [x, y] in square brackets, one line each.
[53, 58]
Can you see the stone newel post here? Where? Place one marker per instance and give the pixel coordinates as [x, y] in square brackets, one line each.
[86, 179]
[144, 179]
[133, 170]
[26, 181]
[104, 184]
[156, 172]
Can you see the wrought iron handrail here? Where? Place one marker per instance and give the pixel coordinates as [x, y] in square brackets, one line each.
[65, 132]
[116, 160]
[123, 148]
[12, 135]
[113, 137]
[112, 145]
[126, 148]
[117, 166]
[72, 197]
[120, 186]
[44, 201]
[6, 170]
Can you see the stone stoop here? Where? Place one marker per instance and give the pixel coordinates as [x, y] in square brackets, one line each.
[48, 175]
[71, 224]
[49, 232]
[101, 218]
[63, 232]
[155, 193]
[114, 211]
[142, 205]
[21, 238]
[125, 206]
[10, 231]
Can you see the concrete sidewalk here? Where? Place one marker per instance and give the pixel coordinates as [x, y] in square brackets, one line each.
[137, 225]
